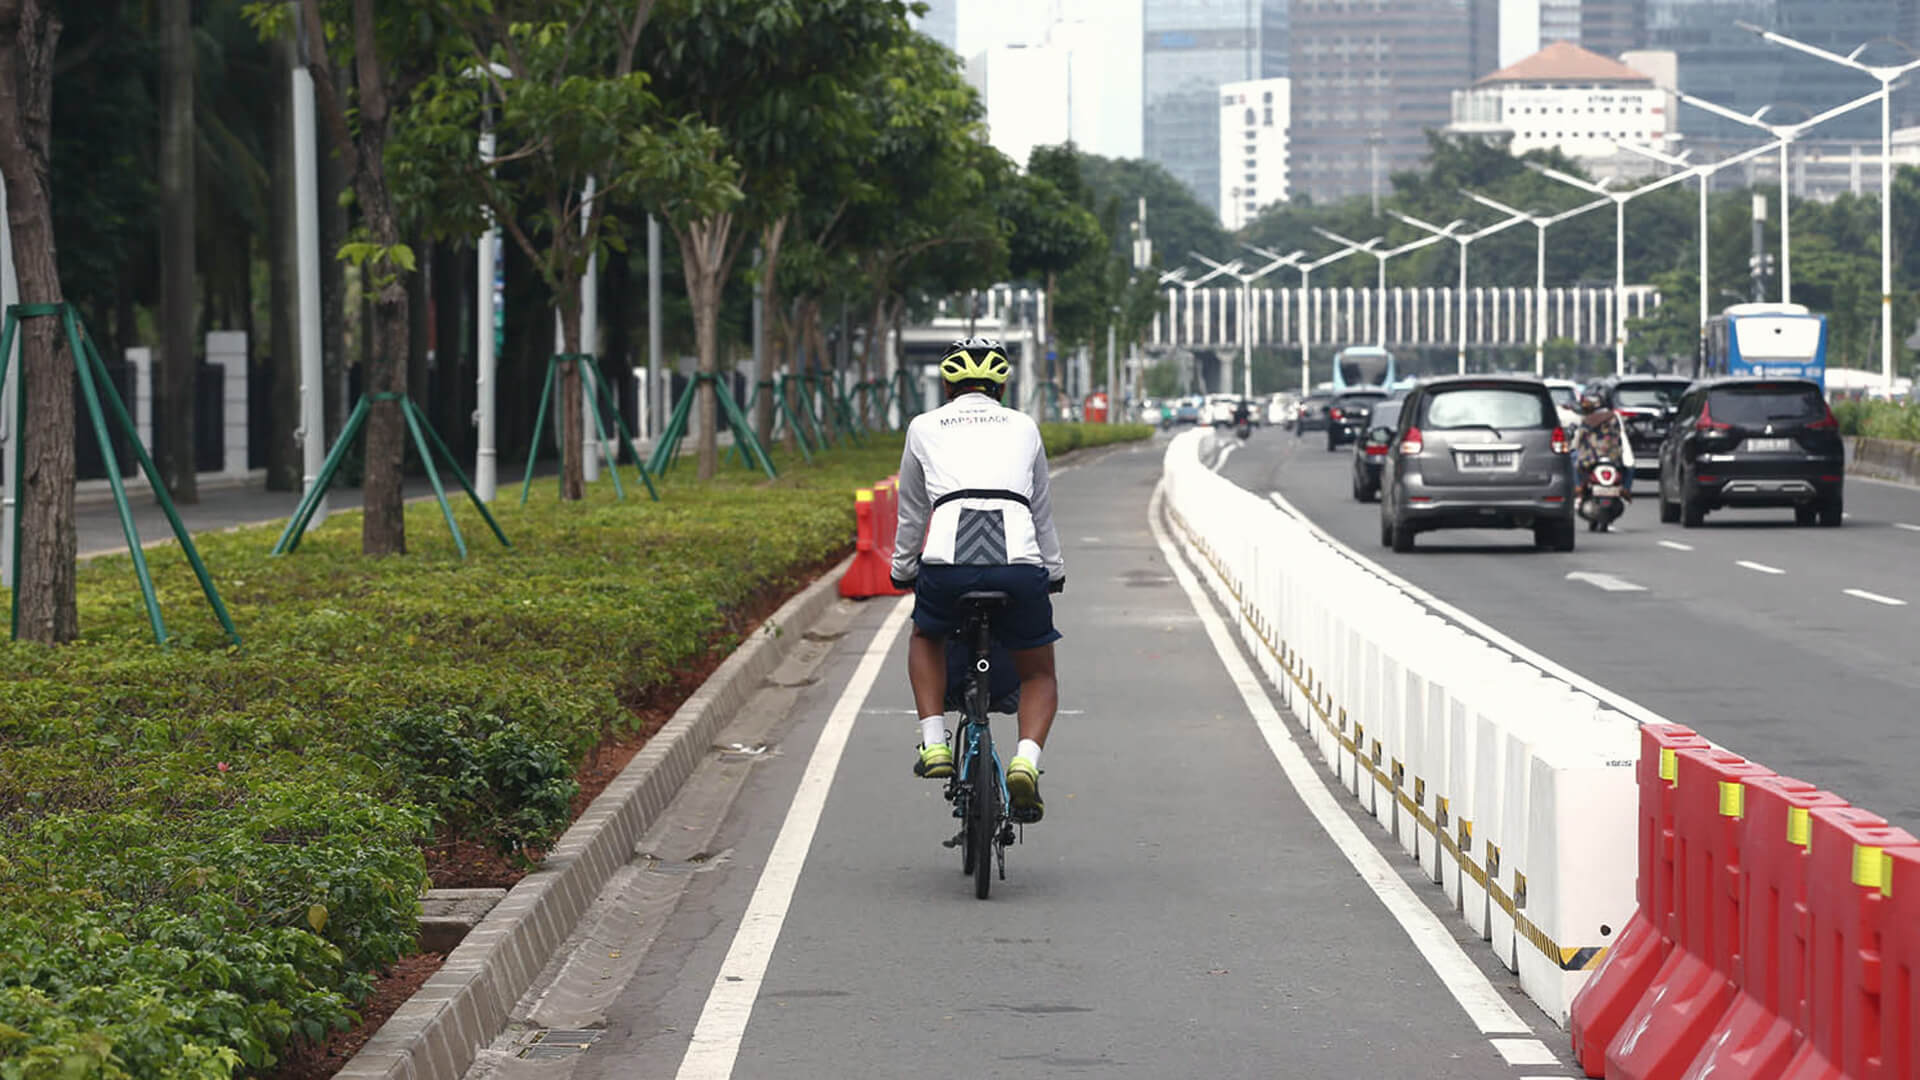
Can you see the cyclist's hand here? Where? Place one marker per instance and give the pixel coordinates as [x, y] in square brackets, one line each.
[903, 586]
[1057, 585]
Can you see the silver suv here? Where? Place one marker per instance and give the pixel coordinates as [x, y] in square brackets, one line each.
[1478, 452]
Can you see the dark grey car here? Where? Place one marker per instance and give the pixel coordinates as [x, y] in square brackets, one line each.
[1478, 452]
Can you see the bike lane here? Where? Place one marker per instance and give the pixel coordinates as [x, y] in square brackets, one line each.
[1180, 911]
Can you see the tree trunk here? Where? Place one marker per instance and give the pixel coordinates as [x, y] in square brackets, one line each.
[174, 389]
[1046, 334]
[706, 253]
[29, 35]
[573, 485]
[769, 306]
[874, 358]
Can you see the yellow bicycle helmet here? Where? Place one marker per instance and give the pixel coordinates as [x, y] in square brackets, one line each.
[976, 359]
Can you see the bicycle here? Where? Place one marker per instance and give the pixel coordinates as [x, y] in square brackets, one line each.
[978, 787]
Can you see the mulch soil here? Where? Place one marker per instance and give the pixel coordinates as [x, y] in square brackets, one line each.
[457, 864]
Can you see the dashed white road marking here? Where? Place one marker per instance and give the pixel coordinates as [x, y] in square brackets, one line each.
[1605, 582]
[1676, 545]
[1221, 463]
[1525, 1052]
[1863, 594]
[1904, 525]
[1761, 568]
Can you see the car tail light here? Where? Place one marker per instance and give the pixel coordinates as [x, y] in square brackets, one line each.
[1376, 451]
[1560, 440]
[1708, 423]
[1828, 422]
[1555, 499]
[1830, 479]
[1336, 414]
[1413, 443]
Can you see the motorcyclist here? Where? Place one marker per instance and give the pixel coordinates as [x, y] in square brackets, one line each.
[1601, 436]
[1242, 413]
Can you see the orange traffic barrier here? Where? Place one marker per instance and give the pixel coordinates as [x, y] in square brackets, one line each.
[1759, 1034]
[1847, 905]
[1900, 967]
[877, 520]
[1694, 987]
[1602, 1006]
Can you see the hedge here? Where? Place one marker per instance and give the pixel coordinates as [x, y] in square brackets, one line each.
[1879, 419]
[207, 854]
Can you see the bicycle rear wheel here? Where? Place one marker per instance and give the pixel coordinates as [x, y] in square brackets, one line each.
[983, 814]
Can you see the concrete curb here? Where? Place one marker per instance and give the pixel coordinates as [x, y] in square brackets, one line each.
[1884, 459]
[437, 1033]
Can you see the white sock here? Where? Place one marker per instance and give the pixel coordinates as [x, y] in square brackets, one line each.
[933, 730]
[1030, 750]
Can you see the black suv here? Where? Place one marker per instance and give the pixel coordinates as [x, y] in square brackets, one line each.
[1312, 413]
[1347, 416]
[1753, 442]
[1478, 452]
[1645, 404]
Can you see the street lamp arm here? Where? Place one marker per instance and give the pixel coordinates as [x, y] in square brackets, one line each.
[1665, 181]
[1427, 225]
[1837, 110]
[1717, 109]
[1577, 211]
[1414, 245]
[1656, 155]
[1494, 204]
[1566, 178]
[1801, 46]
[1336, 237]
[1500, 226]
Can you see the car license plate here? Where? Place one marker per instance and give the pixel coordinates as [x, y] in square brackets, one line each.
[1606, 492]
[1767, 446]
[1486, 459]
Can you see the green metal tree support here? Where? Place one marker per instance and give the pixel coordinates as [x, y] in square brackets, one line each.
[669, 446]
[426, 442]
[783, 416]
[96, 387]
[590, 371]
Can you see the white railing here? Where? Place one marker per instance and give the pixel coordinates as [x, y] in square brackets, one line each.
[1513, 790]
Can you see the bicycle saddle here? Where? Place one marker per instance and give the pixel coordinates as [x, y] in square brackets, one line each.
[985, 599]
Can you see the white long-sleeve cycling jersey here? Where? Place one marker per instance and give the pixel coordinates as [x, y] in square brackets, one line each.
[973, 491]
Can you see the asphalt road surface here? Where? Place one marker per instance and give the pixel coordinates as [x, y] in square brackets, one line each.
[1181, 911]
[1792, 646]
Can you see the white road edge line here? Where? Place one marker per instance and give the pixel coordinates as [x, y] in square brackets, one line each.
[1863, 594]
[1468, 984]
[723, 1022]
[1904, 525]
[1761, 568]
[1676, 545]
[1467, 622]
[1221, 462]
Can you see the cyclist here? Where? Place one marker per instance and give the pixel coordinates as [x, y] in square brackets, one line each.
[975, 515]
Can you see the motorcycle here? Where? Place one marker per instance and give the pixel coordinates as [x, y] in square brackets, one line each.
[1605, 497]
[1243, 428]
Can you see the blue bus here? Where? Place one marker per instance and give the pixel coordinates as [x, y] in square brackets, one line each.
[1363, 367]
[1766, 339]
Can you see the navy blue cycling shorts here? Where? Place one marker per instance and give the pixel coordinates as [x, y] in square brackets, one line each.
[1026, 622]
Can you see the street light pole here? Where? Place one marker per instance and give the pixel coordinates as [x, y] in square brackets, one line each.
[1621, 199]
[1887, 75]
[1306, 279]
[1541, 223]
[1381, 257]
[1450, 231]
[1246, 306]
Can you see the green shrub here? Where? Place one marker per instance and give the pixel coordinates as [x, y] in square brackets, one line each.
[1061, 438]
[1879, 419]
[207, 854]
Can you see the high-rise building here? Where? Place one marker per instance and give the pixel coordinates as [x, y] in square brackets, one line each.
[1254, 117]
[1611, 27]
[1723, 63]
[1369, 83]
[1065, 78]
[1190, 49]
[1559, 21]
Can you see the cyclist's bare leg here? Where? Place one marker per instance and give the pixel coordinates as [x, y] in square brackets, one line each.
[1039, 692]
[927, 671]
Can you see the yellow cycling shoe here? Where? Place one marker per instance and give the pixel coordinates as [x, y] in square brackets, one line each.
[936, 762]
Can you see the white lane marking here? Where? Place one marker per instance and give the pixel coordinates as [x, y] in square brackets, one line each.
[1676, 545]
[1467, 622]
[1904, 525]
[1468, 984]
[1525, 1052]
[1759, 568]
[1876, 597]
[716, 1038]
[1221, 462]
[1606, 582]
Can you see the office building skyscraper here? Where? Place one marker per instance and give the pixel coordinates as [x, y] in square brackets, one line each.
[1368, 84]
[1611, 27]
[1191, 48]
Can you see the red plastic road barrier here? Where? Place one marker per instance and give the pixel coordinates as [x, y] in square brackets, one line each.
[1694, 986]
[1900, 968]
[1635, 956]
[1845, 933]
[1756, 1038]
[876, 516]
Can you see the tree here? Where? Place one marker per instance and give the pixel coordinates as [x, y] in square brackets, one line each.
[29, 35]
[1053, 230]
[752, 69]
[563, 104]
[179, 361]
[390, 47]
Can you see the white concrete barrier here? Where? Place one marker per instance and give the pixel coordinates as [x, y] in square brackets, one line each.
[1513, 791]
